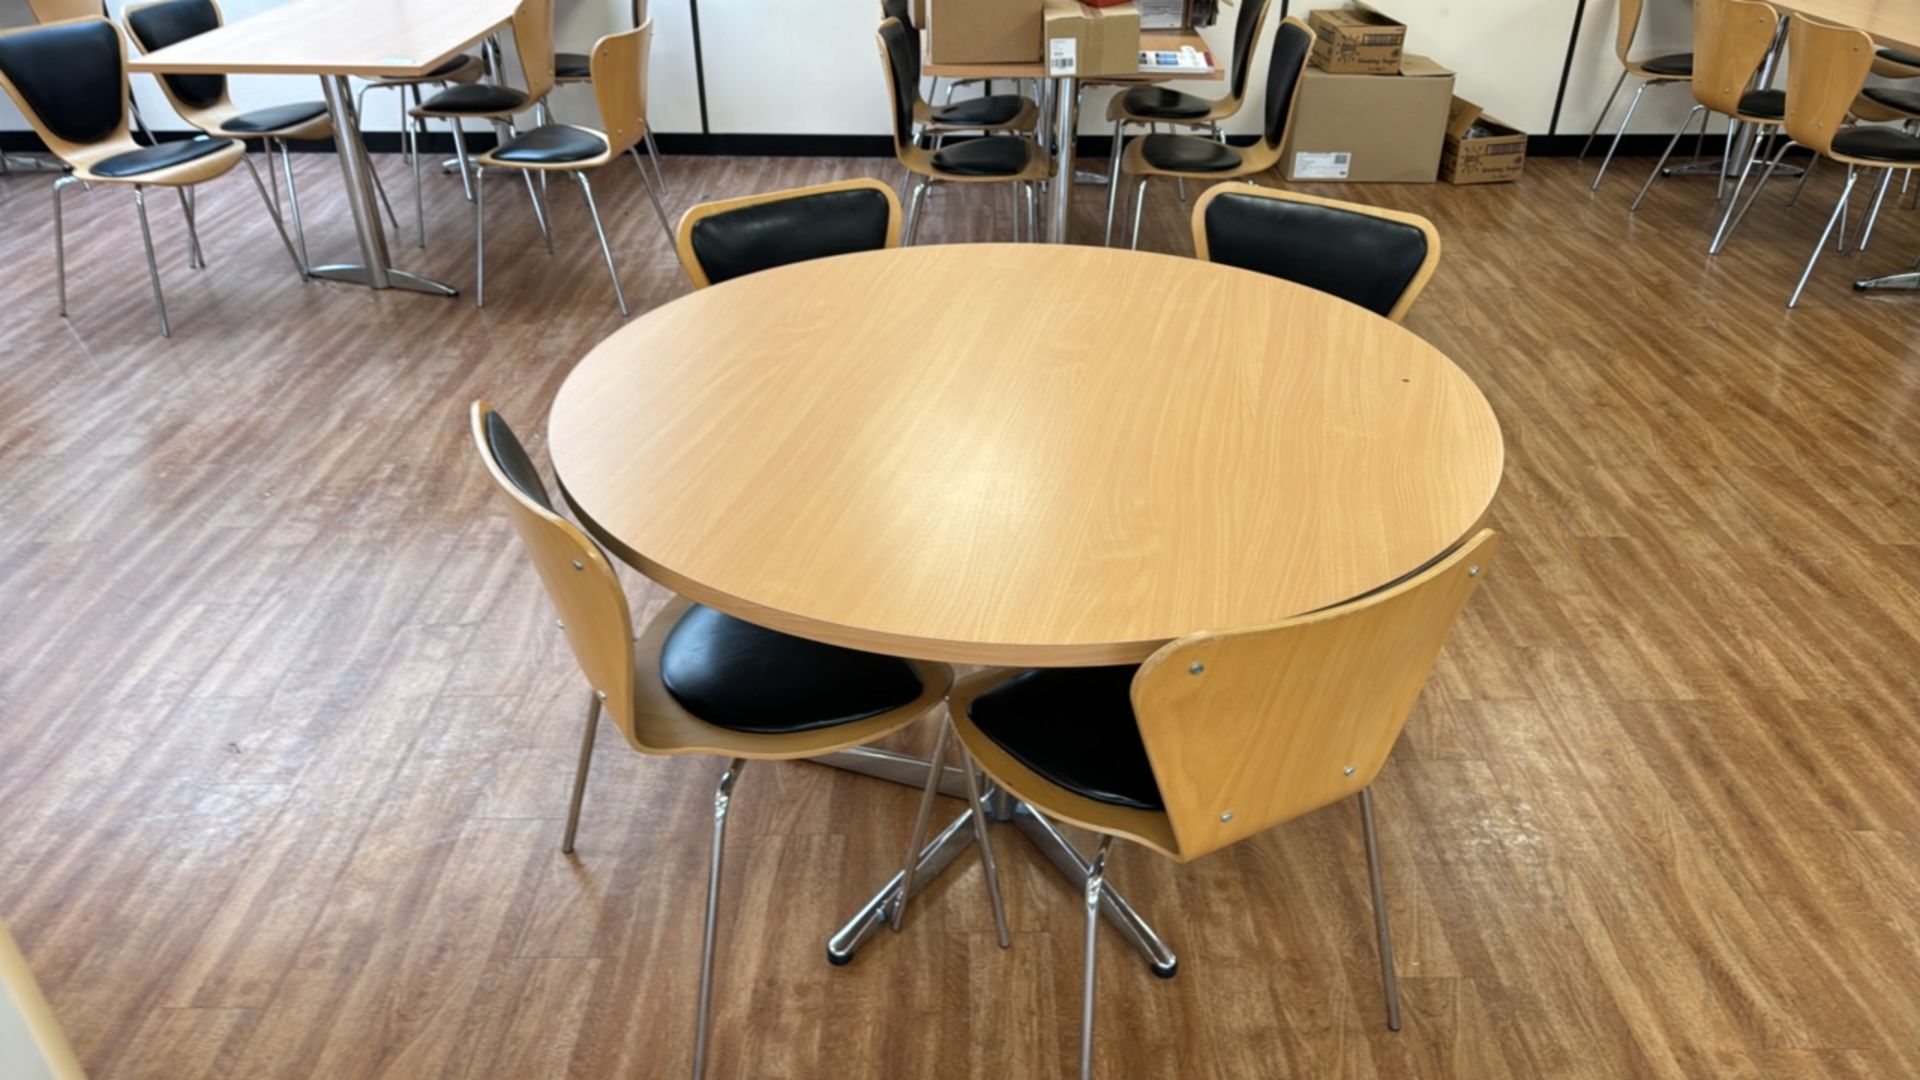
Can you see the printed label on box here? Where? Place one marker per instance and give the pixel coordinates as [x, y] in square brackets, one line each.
[1321, 165]
[1062, 56]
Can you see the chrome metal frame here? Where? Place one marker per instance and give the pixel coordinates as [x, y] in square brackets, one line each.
[1388, 980]
[722, 800]
[1095, 884]
[376, 270]
[540, 216]
[923, 187]
[594, 701]
[1838, 217]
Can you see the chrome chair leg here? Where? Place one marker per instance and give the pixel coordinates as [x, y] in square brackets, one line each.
[1873, 215]
[1096, 880]
[293, 208]
[539, 209]
[1139, 207]
[1604, 110]
[1662, 163]
[413, 128]
[195, 260]
[722, 798]
[1723, 232]
[653, 154]
[60, 185]
[1113, 179]
[1013, 190]
[479, 240]
[1614, 147]
[273, 176]
[1802, 185]
[273, 212]
[606, 252]
[580, 771]
[1033, 212]
[979, 837]
[468, 178]
[910, 864]
[914, 204]
[653, 197]
[1839, 210]
[1390, 981]
[153, 268]
[1772, 164]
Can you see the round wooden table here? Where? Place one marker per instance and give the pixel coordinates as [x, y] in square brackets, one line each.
[1021, 454]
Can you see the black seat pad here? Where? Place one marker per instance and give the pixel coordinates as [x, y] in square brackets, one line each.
[475, 98]
[983, 157]
[276, 117]
[1164, 101]
[552, 144]
[572, 65]
[1672, 64]
[743, 677]
[1877, 144]
[1769, 104]
[1899, 57]
[993, 109]
[1188, 153]
[1075, 727]
[152, 158]
[1907, 101]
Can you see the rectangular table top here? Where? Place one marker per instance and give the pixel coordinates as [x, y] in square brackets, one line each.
[369, 38]
[1152, 40]
[1891, 22]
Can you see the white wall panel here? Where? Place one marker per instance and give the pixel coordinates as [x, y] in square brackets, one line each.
[800, 67]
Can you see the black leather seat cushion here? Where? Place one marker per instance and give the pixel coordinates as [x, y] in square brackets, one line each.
[999, 156]
[1075, 727]
[151, 158]
[1357, 257]
[475, 98]
[1188, 153]
[1877, 144]
[276, 117]
[1673, 64]
[760, 237]
[992, 109]
[743, 677]
[1899, 57]
[1907, 101]
[552, 144]
[69, 75]
[1164, 102]
[1771, 104]
[572, 65]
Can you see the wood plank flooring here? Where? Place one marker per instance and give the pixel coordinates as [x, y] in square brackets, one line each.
[286, 730]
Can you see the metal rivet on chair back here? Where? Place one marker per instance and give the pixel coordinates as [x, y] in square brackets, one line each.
[1829, 65]
[619, 71]
[903, 78]
[70, 76]
[1283, 720]
[1357, 256]
[160, 25]
[1291, 44]
[769, 234]
[1731, 38]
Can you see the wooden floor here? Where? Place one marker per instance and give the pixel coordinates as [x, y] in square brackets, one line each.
[286, 729]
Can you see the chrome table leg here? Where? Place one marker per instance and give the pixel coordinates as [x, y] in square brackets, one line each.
[375, 269]
[901, 769]
[1066, 101]
[935, 857]
[1160, 959]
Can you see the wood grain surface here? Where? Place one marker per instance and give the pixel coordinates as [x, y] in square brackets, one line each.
[368, 38]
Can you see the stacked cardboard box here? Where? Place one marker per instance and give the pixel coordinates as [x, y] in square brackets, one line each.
[1072, 38]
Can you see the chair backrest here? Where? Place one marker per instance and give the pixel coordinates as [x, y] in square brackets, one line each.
[1731, 38]
[903, 81]
[1627, 26]
[69, 80]
[903, 11]
[1291, 45]
[52, 11]
[1830, 65]
[162, 23]
[533, 41]
[578, 578]
[1377, 258]
[1246, 729]
[618, 68]
[729, 238]
[32, 1045]
[1246, 33]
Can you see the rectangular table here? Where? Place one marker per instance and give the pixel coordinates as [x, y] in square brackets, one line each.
[334, 39]
[1065, 114]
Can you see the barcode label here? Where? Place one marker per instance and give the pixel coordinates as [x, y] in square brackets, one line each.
[1063, 56]
[1322, 165]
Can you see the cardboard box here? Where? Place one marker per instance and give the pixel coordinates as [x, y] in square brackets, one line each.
[1091, 41]
[1480, 149]
[1370, 128]
[1356, 41]
[983, 31]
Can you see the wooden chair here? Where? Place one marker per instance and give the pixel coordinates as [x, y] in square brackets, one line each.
[52, 11]
[1193, 158]
[1379, 259]
[620, 88]
[729, 238]
[1654, 71]
[32, 1045]
[1013, 160]
[575, 69]
[1221, 736]
[989, 113]
[697, 681]
[202, 101]
[45, 70]
[1153, 105]
[1731, 39]
[457, 70]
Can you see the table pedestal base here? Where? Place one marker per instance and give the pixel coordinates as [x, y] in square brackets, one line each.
[355, 274]
[1906, 279]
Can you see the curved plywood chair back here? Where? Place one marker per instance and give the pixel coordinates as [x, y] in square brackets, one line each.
[1247, 729]
[70, 81]
[32, 1045]
[1731, 38]
[533, 41]
[1829, 66]
[729, 238]
[578, 578]
[618, 64]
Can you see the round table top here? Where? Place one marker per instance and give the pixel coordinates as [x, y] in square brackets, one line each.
[1021, 454]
